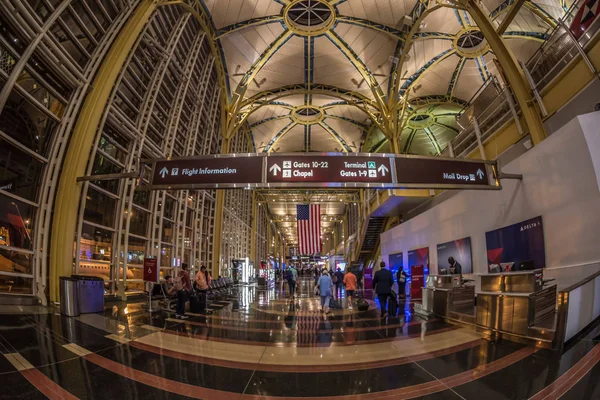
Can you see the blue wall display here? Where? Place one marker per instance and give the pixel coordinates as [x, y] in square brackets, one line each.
[460, 250]
[516, 247]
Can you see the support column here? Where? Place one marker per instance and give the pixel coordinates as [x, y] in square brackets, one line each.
[253, 238]
[218, 232]
[81, 143]
[512, 71]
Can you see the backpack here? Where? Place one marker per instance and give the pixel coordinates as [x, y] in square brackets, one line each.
[178, 283]
[288, 275]
[334, 278]
[362, 305]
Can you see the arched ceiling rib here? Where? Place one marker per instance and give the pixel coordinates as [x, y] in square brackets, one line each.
[358, 65]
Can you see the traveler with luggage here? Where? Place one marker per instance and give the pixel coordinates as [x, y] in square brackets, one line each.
[325, 288]
[338, 279]
[350, 282]
[382, 284]
[292, 276]
[183, 286]
[401, 278]
[203, 279]
[202, 283]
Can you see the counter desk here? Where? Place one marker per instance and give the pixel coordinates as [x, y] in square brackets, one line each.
[515, 302]
[445, 293]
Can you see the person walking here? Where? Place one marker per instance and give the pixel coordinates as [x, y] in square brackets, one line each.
[350, 282]
[401, 278]
[183, 286]
[292, 277]
[325, 286]
[203, 281]
[382, 284]
[338, 279]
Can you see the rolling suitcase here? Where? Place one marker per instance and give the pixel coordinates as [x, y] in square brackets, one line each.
[198, 303]
[392, 305]
[333, 303]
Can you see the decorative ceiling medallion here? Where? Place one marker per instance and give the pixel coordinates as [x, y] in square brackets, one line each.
[309, 17]
[307, 115]
[470, 43]
[421, 120]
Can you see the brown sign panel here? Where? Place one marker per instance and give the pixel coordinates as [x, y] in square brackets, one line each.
[324, 169]
[224, 170]
[444, 172]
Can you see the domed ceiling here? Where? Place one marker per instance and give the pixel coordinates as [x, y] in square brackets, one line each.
[312, 75]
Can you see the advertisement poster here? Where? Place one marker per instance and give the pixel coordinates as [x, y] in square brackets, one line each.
[460, 251]
[396, 261]
[151, 270]
[418, 263]
[517, 247]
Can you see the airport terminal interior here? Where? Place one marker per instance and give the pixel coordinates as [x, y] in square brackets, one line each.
[294, 199]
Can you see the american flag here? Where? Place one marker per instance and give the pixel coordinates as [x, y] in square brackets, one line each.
[309, 228]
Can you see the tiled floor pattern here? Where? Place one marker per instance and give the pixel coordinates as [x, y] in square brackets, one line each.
[259, 345]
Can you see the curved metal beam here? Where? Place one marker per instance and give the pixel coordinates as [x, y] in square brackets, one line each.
[360, 66]
[409, 140]
[437, 99]
[267, 97]
[418, 13]
[233, 120]
[538, 36]
[365, 23]
[534, 8]
[414, 78]
[264, 121]
[336, 136]
[247, 24]
[482, 67]
[279, 135]
[510, 16]
[515, 76]
[441, 125]
[354, 122]
[455, 76]
[433, 140]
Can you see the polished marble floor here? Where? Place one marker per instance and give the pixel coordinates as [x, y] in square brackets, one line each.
[259, 344]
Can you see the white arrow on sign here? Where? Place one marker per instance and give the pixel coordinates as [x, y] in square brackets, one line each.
[275, 168]
[164, 172]
[383, 169]
[480, 173]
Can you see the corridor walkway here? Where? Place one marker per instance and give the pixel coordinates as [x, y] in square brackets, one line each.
[260, 345]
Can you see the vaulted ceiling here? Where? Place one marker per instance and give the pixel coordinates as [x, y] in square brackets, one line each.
[309, 75]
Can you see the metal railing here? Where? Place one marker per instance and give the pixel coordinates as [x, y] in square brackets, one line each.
[560, 49]
[492, 107]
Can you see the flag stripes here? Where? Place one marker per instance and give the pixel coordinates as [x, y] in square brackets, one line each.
[309, 228]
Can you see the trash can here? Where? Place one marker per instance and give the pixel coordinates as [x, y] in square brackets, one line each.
[69, 296]
[91, 294]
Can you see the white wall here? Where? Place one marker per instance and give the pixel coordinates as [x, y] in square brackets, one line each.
[559, 183]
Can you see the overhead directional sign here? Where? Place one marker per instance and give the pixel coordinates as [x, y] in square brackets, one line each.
[440, 171]
[324, 169]
[208, 171]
